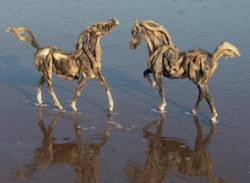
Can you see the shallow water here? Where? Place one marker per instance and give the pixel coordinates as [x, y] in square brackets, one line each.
[135, 144]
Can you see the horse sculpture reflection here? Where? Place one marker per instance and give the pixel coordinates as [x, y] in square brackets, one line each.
[168, 154]
[83, 157]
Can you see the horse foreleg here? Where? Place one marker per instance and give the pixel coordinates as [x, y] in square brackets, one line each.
[146, 75]
[161, 92]
[39, 91]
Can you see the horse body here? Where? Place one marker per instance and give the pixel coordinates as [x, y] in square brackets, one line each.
[82, 64]
[166, 60]
[63, 64]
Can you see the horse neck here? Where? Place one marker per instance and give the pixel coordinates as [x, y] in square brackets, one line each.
[98, 50]
[94, 46]
[152, 43]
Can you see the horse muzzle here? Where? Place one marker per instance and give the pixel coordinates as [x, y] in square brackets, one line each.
[133, 45]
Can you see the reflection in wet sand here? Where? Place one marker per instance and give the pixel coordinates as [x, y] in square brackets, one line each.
[81, 156]
[167, 154]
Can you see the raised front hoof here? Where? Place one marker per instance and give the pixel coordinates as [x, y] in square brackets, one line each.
[155, 86]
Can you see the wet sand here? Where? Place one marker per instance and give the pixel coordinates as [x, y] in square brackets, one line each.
[135, 144]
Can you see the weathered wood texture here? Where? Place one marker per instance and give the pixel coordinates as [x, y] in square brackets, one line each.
[166, 60]
[82, 64]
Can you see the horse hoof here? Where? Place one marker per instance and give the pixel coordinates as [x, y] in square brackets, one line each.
[155, 86]
[161, 109]
[110, 109]
[40, 104]
[73, 106]
[214, 118]
[62, 109]
[194, 111]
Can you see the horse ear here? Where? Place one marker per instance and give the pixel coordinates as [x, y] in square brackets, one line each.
[115, 21]
[136, 21]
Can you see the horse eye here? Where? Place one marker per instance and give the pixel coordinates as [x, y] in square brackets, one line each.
[134, 32]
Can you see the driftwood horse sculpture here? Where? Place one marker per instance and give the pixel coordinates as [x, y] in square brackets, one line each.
[168, 154]
[82, 64]
[83, 157]
[166, 60]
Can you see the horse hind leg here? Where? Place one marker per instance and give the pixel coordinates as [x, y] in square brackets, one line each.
[53, 95]
[39, 91]
[199, 100]
[78, 90]
[48, 79]
[103, 82]
[210, 101]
